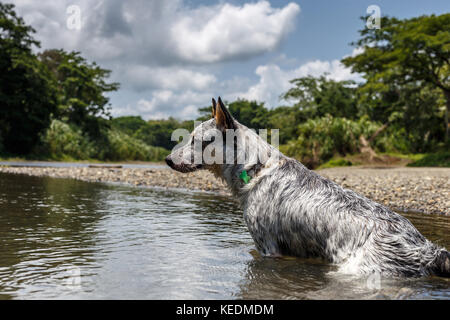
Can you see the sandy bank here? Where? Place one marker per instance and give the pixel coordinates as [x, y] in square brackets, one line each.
[422, 189]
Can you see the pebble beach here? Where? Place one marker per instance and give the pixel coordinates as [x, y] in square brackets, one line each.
[424, 190]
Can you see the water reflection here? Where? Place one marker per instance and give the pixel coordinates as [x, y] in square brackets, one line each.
[46, 227]
[283, 278]
[68, 239]
[293, 278]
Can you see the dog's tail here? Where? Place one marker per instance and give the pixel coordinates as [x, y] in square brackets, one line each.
[441, 265]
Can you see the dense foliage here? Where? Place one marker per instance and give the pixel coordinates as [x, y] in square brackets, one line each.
[322, 138]
[81, 88]
[27, 92]
[54, 103]
[404, 63]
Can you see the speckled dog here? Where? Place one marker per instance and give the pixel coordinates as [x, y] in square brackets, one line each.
[290, 210]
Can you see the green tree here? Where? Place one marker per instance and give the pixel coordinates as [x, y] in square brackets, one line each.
[317, 96]
[27, 96]
[129, 124]
[81, 90]
[412, 51]
[322, 138]
[159, 132]
[250, 113]
[286, 119]
[416, 122]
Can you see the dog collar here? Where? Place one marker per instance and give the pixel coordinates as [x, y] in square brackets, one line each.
[244, 176]
[247, 175]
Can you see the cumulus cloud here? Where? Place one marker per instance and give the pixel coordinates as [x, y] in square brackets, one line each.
[163, 52]
[162, 32]
[274, 81]
[225, 31]
[165, 103]
[141, 77]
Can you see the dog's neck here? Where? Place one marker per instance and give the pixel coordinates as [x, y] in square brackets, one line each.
[260, 156]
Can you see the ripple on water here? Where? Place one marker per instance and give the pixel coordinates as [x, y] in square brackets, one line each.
[68, 239]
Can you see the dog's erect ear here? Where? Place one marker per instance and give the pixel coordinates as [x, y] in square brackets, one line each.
[224, 119]
[214, 106]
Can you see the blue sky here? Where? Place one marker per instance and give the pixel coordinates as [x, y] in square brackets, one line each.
[172, 56]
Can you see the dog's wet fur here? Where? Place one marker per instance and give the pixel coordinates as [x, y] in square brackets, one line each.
[293, 211]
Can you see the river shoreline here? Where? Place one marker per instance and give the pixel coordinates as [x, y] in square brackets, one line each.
[424, 190]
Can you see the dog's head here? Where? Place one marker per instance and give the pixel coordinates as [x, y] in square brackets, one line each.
[207, 145]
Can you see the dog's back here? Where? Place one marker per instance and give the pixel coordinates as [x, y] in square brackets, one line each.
[291, 210]
[294, 211]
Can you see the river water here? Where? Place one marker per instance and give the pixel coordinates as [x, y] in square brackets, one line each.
[67, 239]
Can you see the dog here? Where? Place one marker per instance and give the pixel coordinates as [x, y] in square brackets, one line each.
[293, 211]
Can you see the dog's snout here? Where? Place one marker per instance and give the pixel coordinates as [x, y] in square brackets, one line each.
[169, 161]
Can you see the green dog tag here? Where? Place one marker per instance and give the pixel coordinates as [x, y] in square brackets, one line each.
[245, 177]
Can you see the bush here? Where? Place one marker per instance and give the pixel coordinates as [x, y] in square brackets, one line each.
[62, 141]
[321, 139]
[339, 162]
[159, 132]
[66, 142]
[124, 147]
[438, 159]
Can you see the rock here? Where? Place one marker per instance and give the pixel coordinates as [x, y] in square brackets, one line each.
[413, 189]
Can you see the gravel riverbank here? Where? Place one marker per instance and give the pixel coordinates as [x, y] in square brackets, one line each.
[411, 189]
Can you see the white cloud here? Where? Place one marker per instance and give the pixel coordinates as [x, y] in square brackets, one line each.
[164, 53]
[274, 81]
[141, 77]
[165, 103]
[161, 32]
[225, 31]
